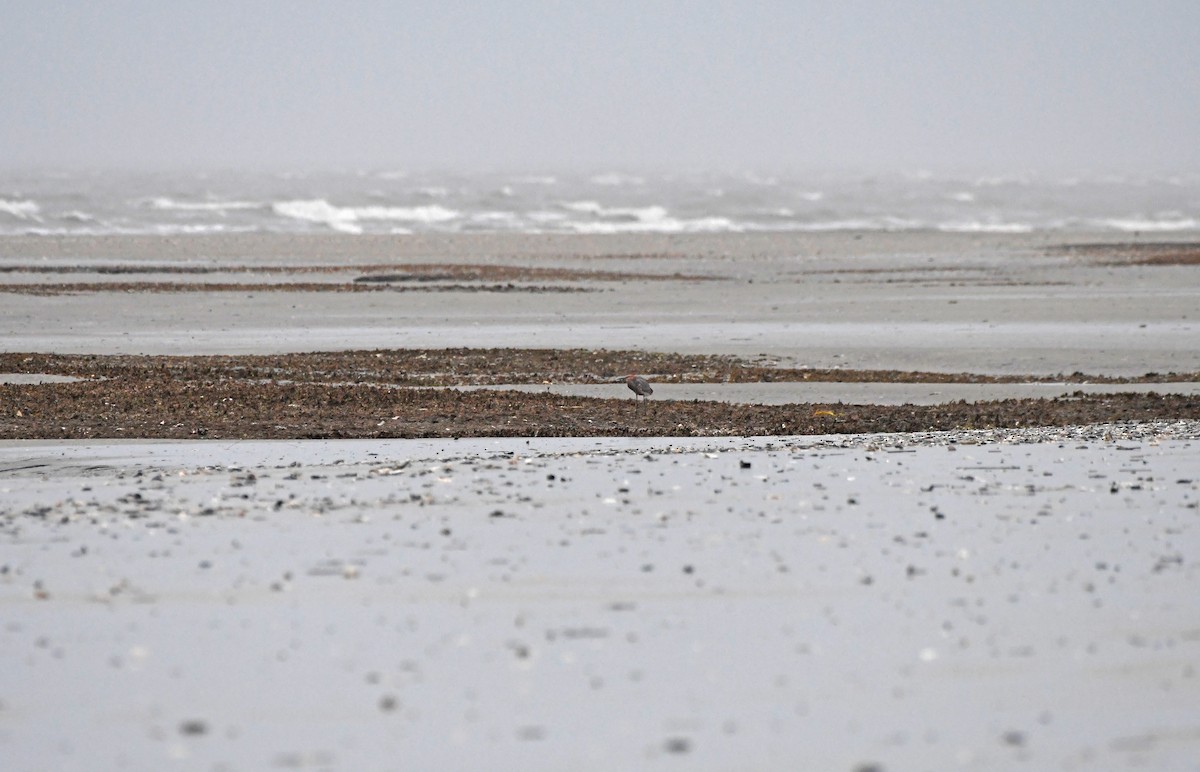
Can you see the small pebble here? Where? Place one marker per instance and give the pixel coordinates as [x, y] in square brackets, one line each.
[678, 745]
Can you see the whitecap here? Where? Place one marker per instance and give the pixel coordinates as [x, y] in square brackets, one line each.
[839, 225]
[974, 226]
[110, 230]
[885, 223]
[711, 224]
[318, 211]
[494, 216]
[22, 209]
[646, 214]
[663, 225]
[652, 213]
[347, 218]
[1131, 224]
[170, 204]
[590, 207]
[196, 230]
[425, 214]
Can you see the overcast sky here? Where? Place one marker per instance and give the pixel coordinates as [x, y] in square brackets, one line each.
[632, 84]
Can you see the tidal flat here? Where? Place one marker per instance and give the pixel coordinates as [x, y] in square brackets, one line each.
[961, 595]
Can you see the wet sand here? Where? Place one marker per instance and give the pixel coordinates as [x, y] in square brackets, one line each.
[907, 301]
[963, 599]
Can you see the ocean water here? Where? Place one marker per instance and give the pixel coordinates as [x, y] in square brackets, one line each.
[607, 202]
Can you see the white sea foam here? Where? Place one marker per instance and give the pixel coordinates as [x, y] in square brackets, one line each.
[590, 207]
[504, 220]
[347, 218]
[22, 209]
[883, 223]
[985, 227]
[170, 204]
[1159, 225]
[839, 225]
[116, 230]
[661, 225]
[644, 214]
[1017, 202]
[318, 211]
[424, 214]
[197, 229]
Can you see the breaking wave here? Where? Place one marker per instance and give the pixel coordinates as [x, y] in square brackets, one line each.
[22, 209]
[348, 219]
[403, 202]
[1156, 225]
[170, 204]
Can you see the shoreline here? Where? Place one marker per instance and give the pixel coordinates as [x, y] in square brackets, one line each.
[451, 246]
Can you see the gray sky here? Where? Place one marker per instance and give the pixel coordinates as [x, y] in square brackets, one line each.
[517, 84]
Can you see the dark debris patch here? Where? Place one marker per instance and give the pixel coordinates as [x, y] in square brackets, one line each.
[1135, 253]
[75, 288]
[381, 271]
[393, 277]
[480, 367]
[154, 398]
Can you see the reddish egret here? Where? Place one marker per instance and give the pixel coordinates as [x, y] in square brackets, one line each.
[638, 385]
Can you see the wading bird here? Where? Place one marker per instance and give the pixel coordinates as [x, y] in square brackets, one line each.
[638, 385]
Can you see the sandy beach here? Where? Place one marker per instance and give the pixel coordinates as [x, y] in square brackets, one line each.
[967, 598]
